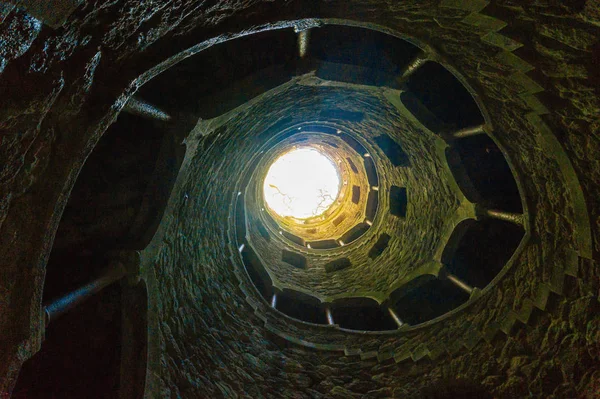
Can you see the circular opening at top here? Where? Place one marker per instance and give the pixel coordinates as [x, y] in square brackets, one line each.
[302, 183]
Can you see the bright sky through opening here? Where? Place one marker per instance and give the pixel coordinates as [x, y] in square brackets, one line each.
[301, 183]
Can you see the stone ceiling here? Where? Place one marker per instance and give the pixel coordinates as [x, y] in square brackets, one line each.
[534, 65]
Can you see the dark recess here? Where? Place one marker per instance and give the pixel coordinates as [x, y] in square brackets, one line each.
[355, 194]
[262, 230]
[438, 90]
[489, 173]
[392, 150]
[352, 165]
[362, 314]
[377, 57]
[259, 276]
[301, 306]
[293, 238]
[372, 204]
[460, 176]
[294, 259]
[213, 81]
[455, 238]
[323, 244]
[135, 334]
[240, 219]
[353, 143]
[339, 219]
[380, 246]
[421, 113]
[483, 251]
[426, 299]
[121, 193]
[81, 354]
[398, 201]
[116, 204]
[337, 264]
[354, 233]
[355, 74]
[371, 171]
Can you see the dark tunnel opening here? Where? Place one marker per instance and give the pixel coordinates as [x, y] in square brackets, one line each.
[115, 205]
[425, 299]
[398, 201]
[484, 249]
[362, 314]
[226, 75]
[392, 150]
[489, 172]
[337, 264]
[380, 245]
[360, 56]
[354, 233]
[257, 272]
[301, 306]
[444, 96]
[294, 238]
[81, 353]
[294, 259]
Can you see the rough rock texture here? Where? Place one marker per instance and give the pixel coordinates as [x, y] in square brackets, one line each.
[534, 64]
[369, 368]
[416, 238]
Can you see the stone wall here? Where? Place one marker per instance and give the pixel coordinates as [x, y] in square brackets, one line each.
[416, 238]
[534, 64]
